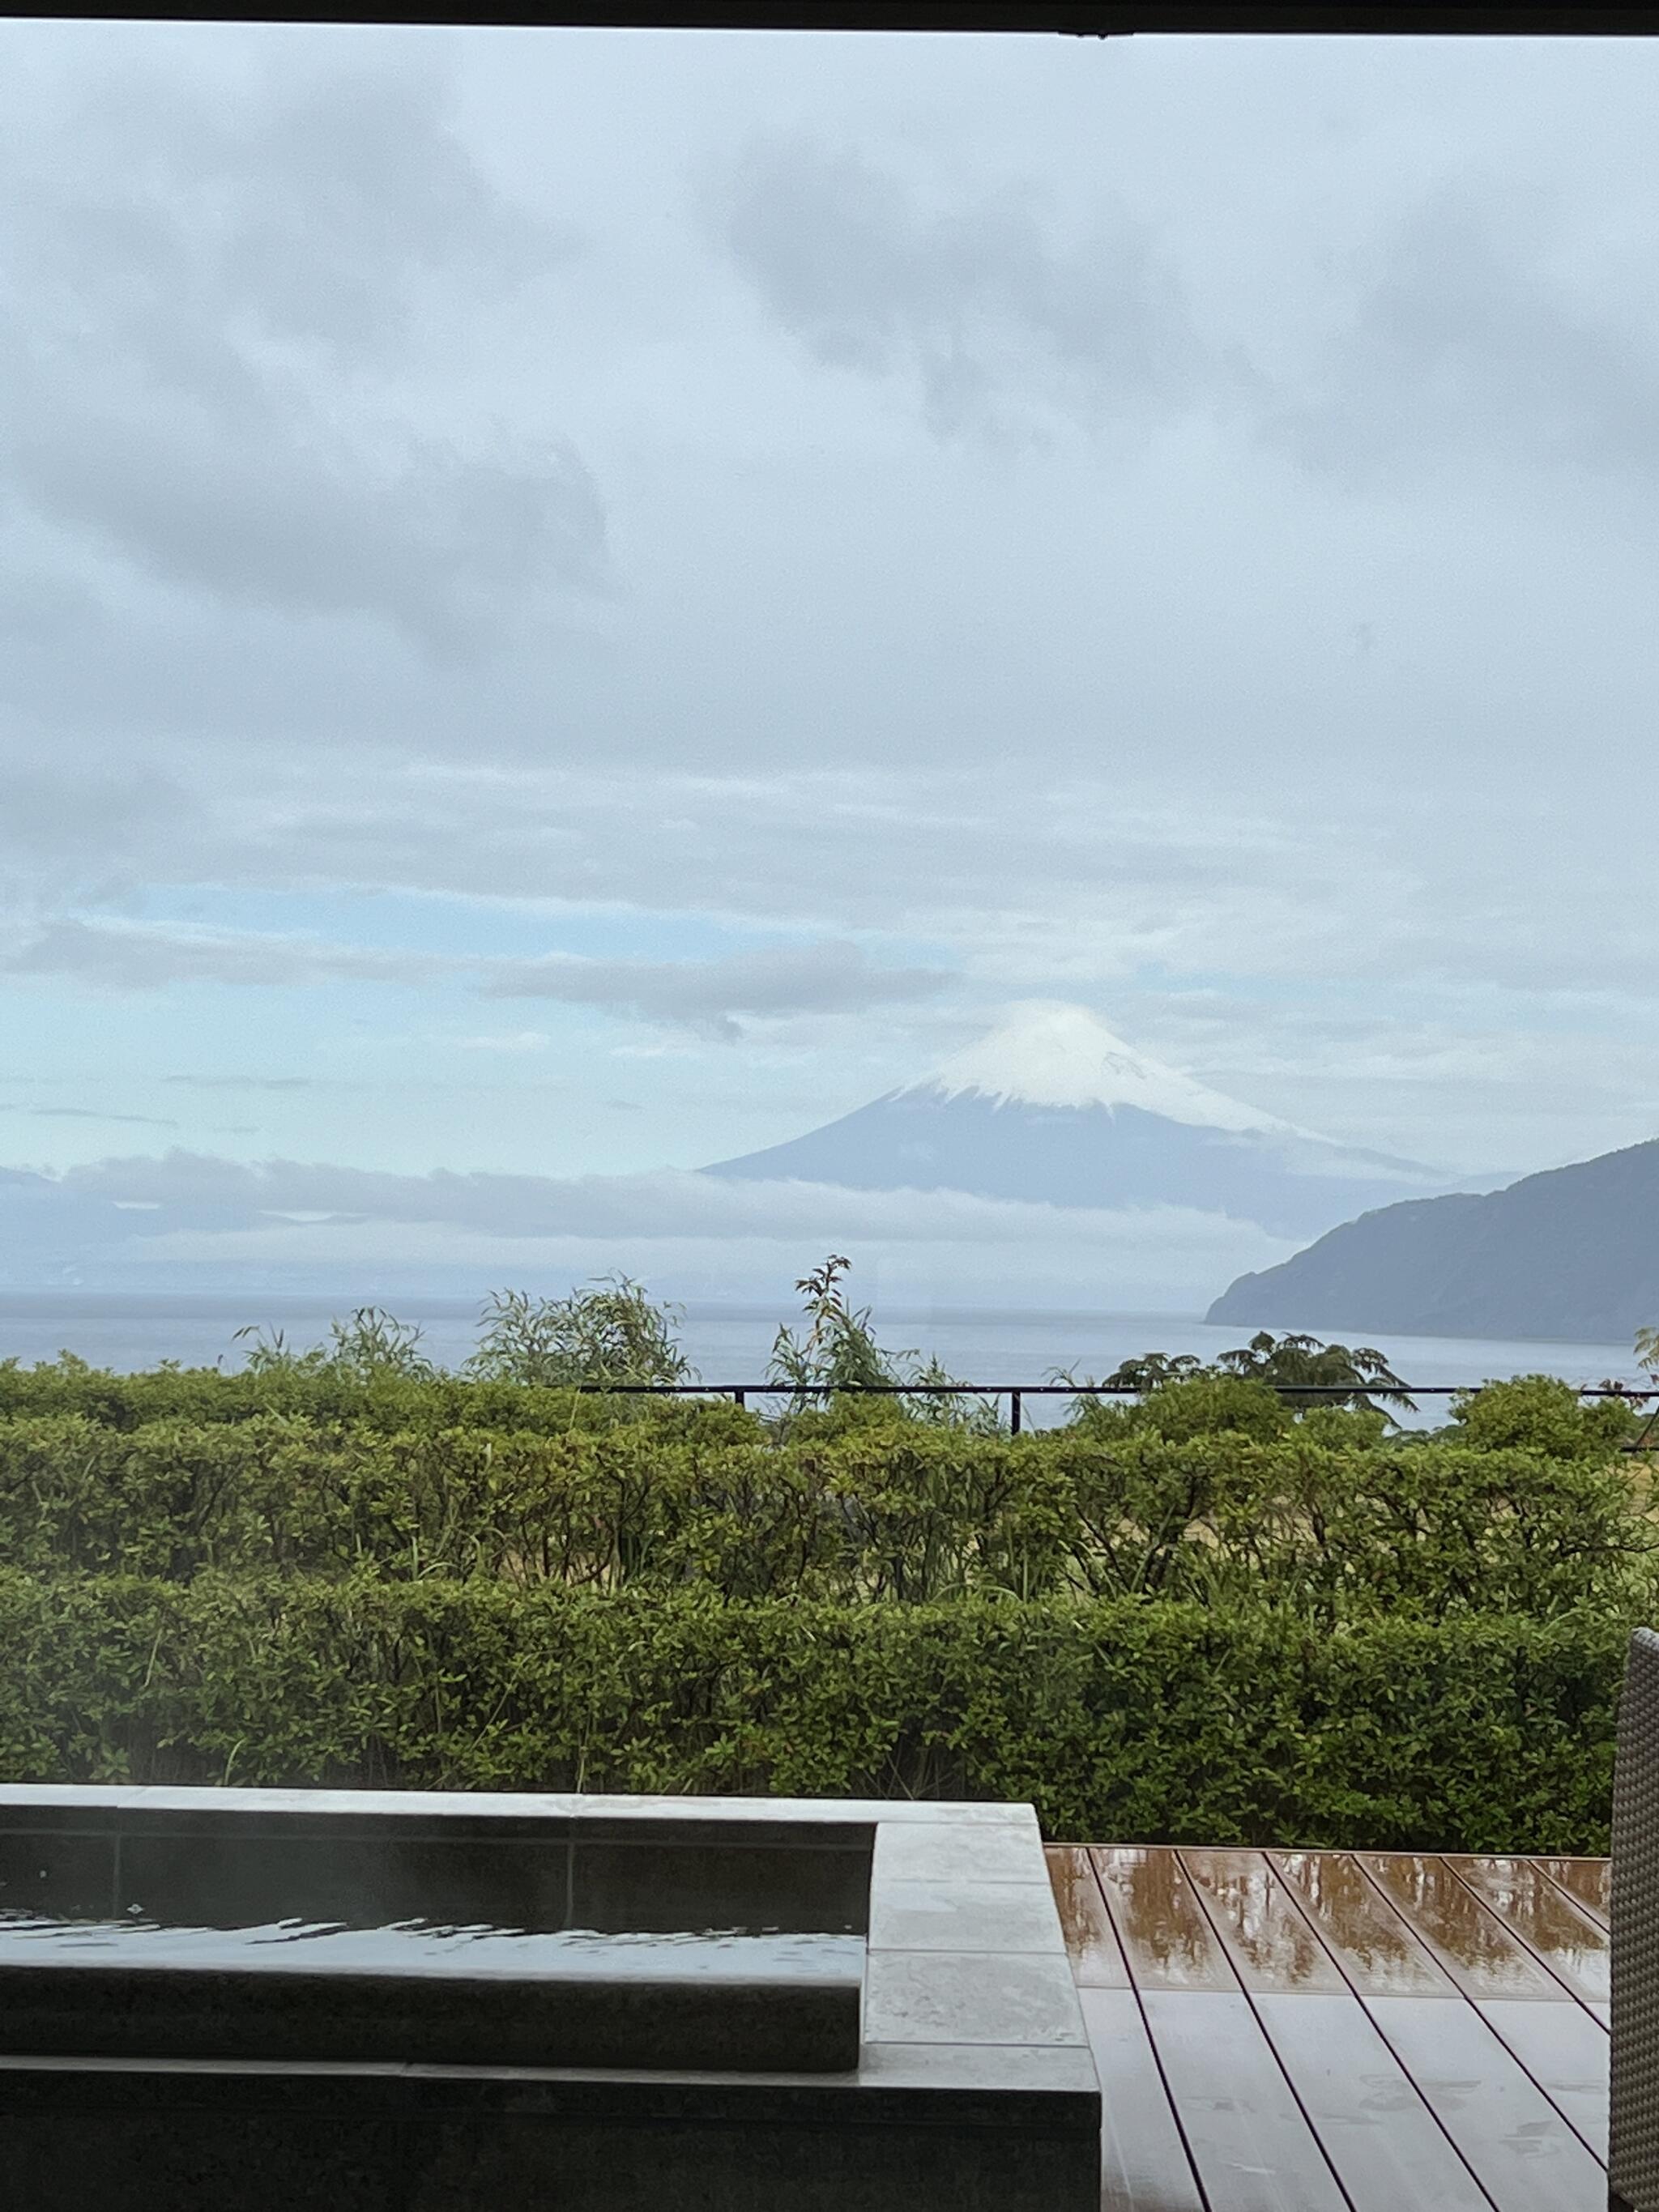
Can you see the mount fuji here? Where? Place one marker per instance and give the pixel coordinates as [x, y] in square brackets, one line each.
[1051, 1108]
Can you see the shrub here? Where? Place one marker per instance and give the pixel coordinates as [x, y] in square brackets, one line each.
[880, 1509]
[610, 1332]
[1200, 1404]
[1121, 1720]
[1539, 1413]
[325, 1392]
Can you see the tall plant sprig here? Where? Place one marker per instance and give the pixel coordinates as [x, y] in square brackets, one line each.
[610, 1331]
[836, 1353]
[370, 1345]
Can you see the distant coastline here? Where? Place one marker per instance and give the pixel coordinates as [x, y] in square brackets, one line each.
[730, 1344]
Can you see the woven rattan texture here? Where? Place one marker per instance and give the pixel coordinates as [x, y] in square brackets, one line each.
[1633, 2160]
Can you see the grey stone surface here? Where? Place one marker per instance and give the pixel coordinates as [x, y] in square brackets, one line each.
[764, 2170]
[61, 1804]
[804, 1812]
[934, 1997]
[1023, 2086]
[1063, 2073]
[965, 1916]
[166, 2160]
[950, 1851]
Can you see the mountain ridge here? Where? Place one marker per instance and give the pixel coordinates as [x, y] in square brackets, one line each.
[1570, 1253]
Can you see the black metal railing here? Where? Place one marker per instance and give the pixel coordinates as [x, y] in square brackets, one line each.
[1017, 1393]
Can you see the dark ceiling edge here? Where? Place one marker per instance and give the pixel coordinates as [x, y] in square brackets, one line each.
[1080, 19]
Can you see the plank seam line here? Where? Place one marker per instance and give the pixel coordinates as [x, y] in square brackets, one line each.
[1203, 2194]
[1585, 1911]
[1477, 2008]
[1262, 2029]
[1531, 1948]
[1292, 1890]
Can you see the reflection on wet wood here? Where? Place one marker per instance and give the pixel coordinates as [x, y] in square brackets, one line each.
[1378, 1950]
[1571, 1945]
[1169, 1943]
[1588, 1882]
[1269, 1941]
[1337, 2032]
[1473, 1944]
[1096, 1961]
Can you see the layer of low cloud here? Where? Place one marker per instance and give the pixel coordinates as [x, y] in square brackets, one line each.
[85, 1114]
[1069, 875]
[711, 997]
[184, 1215]
[272, 1082]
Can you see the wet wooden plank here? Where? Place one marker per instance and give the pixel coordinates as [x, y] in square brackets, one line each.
[1267, 1937]
[1096, 1960]
[1380, 1955]
[1572, 1945]
[1249, 2139]
[1389, 2152]
[1326, 2031]
[1509, 2135]
[1386, 2147]
[1588, 1882]
[1565, 2051]
[1144, 2166]
[1167, 1940]
[1471, 1942]
[1512, 2138]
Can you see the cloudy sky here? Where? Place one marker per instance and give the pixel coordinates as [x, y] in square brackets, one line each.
[574, 603]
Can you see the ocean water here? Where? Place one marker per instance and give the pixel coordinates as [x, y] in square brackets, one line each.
[730, 1345]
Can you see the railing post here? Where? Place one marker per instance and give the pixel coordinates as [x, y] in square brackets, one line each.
[739, 1397]
[1013, 1412]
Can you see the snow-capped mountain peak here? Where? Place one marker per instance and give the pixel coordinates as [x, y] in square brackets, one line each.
[1047, 1053]
[1051, 1108]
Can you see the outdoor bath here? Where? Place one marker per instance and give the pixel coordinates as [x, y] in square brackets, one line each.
[377, 1999]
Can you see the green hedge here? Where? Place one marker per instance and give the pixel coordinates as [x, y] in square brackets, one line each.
[1121, 1720]
[878, 1509]
[212, 1396]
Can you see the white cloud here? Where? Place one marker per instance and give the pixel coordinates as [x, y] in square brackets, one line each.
[713, 997]
[1125, 526]
[219, 1221]
[976, 302]
[223, 286]
[513, 1041]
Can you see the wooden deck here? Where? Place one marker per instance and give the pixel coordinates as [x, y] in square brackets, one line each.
[1343, 2032]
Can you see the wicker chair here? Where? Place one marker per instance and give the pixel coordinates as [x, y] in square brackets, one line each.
[1633, 2146]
